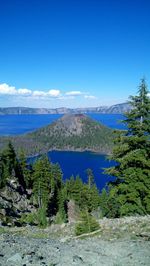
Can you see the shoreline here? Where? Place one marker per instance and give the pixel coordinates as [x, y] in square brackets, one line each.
[80, 150]
[70, 150]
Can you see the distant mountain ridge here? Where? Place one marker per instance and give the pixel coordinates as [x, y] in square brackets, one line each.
[114, 109]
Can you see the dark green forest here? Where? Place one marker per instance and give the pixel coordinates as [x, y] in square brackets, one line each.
[42, 182]
[50, 193]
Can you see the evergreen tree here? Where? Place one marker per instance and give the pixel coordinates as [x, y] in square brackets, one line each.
[9, 158]
[109, 207]
[47, 182]
[85, 196]
[61, 216]
[104, 203]
[4, 171]
[55, 184]
[10, 167]
[25, 169]
[130, 193]
[87, 224]
[41, 181]
[90, 177]
[74, 187]
[56, 178]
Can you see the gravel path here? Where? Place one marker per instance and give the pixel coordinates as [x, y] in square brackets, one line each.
[119, 242]
[24, 251]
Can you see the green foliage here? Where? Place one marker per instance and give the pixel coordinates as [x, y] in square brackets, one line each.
[30, 218]
[87, 224]
[10, 156]
[36, 218]
[7, 164]
[10, 166]
[61, 216]
[129, 194]
[74, 187]
[85, 196]
[4, 171]
[47, 188]
[55, 189]
[48, 193]
[41, 181]
[41, 217]
[110, 205]
[90, 177]
[25, 168]
[89, 198]
[104, 203]
[56, 176]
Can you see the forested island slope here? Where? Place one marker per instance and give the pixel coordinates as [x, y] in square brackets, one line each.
[75, 132]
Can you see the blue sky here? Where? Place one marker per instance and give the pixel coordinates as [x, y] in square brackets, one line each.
[56, 53]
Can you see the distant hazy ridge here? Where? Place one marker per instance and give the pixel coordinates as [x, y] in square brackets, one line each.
[114, 109]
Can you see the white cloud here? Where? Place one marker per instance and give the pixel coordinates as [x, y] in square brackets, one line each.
[24, 92]
[90, 97]
[39, 93]
[7, 90]
[52, 96]
[53, 93]
[74, 93]
[50, 93]
[66, 98]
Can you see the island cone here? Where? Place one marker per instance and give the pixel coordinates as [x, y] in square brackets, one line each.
[71, 132]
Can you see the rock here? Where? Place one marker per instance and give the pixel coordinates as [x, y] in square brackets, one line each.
[14, 203]
[15, 258]
[72, 211]
[77, 259]
[95, 250]
[40, 257]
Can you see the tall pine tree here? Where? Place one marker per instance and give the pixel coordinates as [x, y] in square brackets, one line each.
[130, 193]
[10, 167]
[41, 181]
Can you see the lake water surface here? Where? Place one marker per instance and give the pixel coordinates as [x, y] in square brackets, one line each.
[76, 163]
[20, 124]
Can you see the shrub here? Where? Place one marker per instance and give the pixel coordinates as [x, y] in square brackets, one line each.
[87, 224]
[30, 218]
[41, 217]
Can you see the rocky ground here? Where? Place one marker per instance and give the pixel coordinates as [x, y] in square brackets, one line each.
[119, 242]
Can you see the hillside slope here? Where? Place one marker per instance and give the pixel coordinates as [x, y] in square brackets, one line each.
[70, 132]
[119, 242]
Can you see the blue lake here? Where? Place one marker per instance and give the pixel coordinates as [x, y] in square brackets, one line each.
[76, 163]
[72, 163]
[20, 124]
